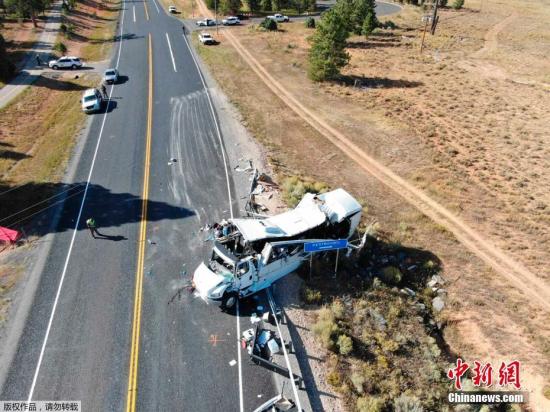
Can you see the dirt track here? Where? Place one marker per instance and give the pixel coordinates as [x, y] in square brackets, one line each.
[519, 276]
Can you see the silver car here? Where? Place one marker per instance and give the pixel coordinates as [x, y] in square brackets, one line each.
[92, 100]
[110, 76]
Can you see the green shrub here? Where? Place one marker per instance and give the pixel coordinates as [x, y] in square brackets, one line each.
[357, 379]
[294, 188]
[269, 24]
[405, 403]
[312, 296]
[310, 23]
[326, 328]
[345, 344]
[338, 309]
[391, 275]
[63, 28]
[388, 24]
[60, 47]
[458, 4]
[370, 404]
[443, 3]
[546, 392]
[334, 378]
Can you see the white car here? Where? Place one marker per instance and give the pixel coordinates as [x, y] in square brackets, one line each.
[206, 38]
[65, 62]
[279, 18]
[110, 76]
[172, 9]
[231, 21]
[206, 22]
[92, 101]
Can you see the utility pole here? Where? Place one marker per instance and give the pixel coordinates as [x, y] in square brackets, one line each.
[216, 15]
[435, 17]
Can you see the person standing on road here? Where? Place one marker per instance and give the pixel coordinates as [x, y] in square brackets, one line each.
[104, 91]
[93, 227]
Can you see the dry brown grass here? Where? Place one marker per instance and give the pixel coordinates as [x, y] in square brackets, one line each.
[94, 24]
[464, 121]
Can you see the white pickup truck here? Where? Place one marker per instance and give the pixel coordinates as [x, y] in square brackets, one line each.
[279, 18]
[256, 252]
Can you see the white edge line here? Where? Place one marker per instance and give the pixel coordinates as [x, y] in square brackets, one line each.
[171, 54]
[241, 401]
[154, 1]
[272, 304]
[65, 266]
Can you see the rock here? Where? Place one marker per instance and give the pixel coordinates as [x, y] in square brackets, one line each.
[438, 304]
[408, 291]
[421, 306]
[441, 291]
[379, 319]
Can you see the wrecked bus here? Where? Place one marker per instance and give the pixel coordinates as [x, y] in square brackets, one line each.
[257, 252]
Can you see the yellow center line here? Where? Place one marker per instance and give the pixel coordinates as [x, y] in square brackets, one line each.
[136, 324]
[146, 10]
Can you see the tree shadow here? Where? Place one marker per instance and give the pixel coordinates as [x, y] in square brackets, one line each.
[376, 82]
[12, 155]
[48, 82]
[375, 43]
[32, 207]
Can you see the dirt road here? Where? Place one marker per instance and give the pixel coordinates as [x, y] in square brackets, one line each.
[520, 277]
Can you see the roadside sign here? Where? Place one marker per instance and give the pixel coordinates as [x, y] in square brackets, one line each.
[323, 245]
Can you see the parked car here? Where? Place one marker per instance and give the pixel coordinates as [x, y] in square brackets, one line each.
[172, 9]
[110, 76]
[206, 38]
[65, 62]
[206, 22]
[279, 18]
[231, 21]
[92, 100]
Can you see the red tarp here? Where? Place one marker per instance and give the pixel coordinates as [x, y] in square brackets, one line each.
[9, 235]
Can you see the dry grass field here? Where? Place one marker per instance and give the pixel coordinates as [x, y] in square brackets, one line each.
[466, 122]
[93, 26]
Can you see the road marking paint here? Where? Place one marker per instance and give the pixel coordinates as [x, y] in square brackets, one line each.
[136, 323]
[294, 389]
[155, 3]
[171, 54]
[146, 10]
[241, 400]
[134, 9]
[73, 237]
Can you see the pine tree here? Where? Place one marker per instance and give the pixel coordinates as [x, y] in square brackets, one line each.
[328, 50]
[369, 24]
[361, 8]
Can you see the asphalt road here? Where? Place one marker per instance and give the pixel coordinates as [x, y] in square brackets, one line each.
[382, 9]
[186, 347]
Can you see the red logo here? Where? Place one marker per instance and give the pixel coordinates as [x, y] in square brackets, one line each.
[508, 374]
